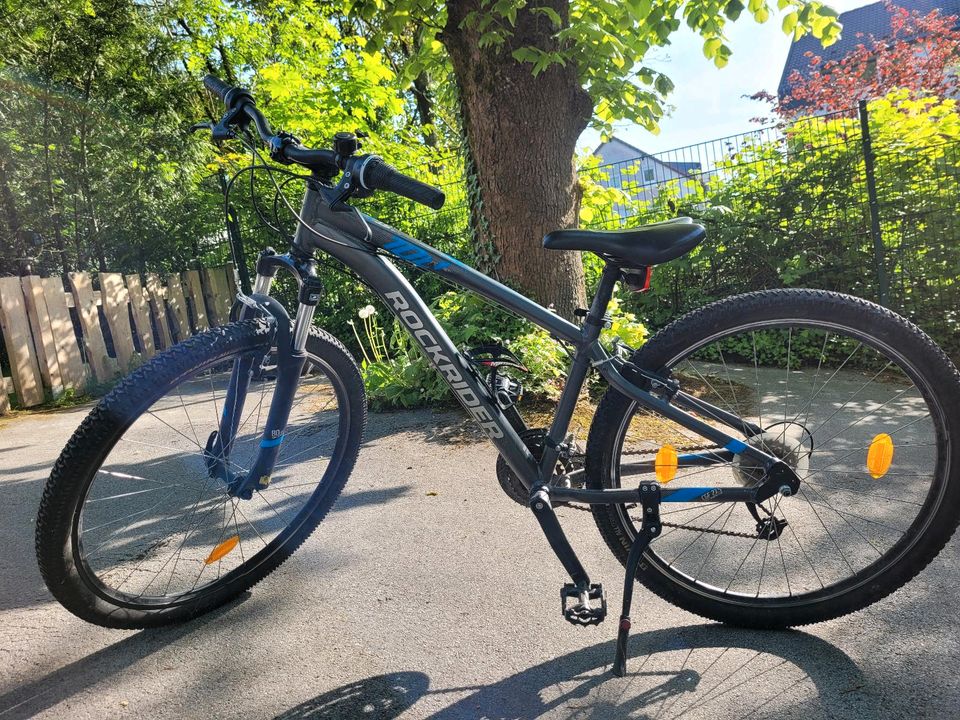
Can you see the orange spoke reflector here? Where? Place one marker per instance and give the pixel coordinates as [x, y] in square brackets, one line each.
[880, 455]
[665, 464]
[220, 551]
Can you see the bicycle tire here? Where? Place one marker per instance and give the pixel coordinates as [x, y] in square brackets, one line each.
[63, 497]
[922, 542]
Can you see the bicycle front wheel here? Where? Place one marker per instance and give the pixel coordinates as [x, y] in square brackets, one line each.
[836, 384]
[135, 531]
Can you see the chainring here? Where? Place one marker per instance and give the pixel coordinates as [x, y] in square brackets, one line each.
[534, 439]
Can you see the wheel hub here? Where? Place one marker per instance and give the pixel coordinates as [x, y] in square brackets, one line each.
[788, 441]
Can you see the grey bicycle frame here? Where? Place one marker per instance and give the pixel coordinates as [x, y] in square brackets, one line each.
[354, 239]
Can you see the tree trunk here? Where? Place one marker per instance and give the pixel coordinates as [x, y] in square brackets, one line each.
[55, 219]
[421, 94]
[11, 235]
[86, 190]
[522, 132]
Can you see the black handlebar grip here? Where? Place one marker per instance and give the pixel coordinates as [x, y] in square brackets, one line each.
[217, 86]
[378, 175]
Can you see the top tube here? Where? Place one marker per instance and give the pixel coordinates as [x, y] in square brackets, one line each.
[429, 258]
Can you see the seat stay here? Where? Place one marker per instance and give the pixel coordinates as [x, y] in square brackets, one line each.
[608, 368]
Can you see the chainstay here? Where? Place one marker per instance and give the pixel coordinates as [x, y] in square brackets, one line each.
[681, 526]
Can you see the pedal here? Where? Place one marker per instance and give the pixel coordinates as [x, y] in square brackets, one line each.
[583, 612]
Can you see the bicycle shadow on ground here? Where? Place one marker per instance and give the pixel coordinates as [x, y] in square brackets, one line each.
[707, 671]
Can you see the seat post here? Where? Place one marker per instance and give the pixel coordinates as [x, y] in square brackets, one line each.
[593, 323]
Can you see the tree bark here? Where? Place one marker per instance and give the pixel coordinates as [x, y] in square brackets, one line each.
[522, 132]
[12, 236]
[86, 190]
[421, 95]
[55, 218]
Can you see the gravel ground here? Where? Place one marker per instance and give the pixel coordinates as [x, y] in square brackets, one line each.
[428, 593]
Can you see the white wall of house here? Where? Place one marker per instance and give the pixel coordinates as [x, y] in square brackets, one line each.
[639, 175]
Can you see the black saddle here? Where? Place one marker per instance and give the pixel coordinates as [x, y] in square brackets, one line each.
[637, 247]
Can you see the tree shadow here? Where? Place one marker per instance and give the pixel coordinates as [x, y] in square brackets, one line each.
[702, 671]
[24, 588]
[447, 425]
[32, 698]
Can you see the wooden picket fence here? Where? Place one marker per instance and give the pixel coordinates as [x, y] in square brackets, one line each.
[67, 337]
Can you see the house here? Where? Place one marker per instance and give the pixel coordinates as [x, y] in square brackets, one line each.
[859, 25]
[640, 174]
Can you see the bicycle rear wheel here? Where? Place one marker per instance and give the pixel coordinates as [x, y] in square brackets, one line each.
[134, 531]
[835, 382]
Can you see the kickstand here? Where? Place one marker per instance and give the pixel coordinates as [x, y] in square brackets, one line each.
[649, 529]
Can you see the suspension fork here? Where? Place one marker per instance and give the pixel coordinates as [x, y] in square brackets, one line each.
[241, 374]
[291, 357]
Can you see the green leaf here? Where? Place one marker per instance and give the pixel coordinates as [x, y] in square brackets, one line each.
[789, 23]
[733, 9]
[711, 46]
[550, 13]
[526, 54]
[663, 85]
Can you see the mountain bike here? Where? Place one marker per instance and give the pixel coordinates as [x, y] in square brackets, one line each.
[773, 459]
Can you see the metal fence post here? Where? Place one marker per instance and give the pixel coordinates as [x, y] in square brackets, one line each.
[875, 233]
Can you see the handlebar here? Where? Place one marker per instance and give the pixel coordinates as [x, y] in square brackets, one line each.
[371, 172]
[217, 87]
[375, 174]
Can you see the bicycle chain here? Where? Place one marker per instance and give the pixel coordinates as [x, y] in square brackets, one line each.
[712, 531]
[681, 526]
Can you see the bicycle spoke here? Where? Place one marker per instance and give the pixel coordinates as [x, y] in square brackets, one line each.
[715, 541]
[835, 385]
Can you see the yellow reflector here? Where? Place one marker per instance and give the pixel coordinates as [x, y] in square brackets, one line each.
[222, 549]
[665, 464]
[880, 455]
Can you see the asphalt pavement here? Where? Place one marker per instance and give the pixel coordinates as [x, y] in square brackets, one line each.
[427, 593]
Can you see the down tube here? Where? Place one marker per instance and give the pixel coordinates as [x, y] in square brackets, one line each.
[404, 302]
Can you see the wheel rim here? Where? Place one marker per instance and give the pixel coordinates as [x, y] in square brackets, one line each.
[132, 563]
[863, 545]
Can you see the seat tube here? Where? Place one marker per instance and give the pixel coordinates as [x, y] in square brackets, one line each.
[592, 326]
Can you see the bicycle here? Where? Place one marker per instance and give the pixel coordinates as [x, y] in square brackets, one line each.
[803, 440]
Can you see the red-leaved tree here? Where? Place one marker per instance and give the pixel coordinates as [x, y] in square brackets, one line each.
[921, 53]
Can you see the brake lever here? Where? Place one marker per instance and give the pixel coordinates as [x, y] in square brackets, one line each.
[219, 131]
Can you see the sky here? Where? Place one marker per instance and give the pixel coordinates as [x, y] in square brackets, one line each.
[708, 103]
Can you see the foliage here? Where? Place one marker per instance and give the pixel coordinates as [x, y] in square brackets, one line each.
[608, 42]
[96, 167]
[792, 211]
[84, 178]
[396, 374]
[920, 54]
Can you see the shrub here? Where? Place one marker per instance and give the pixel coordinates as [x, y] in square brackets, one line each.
[396, 374]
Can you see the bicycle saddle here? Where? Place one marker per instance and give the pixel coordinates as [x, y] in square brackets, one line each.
[635, 247]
